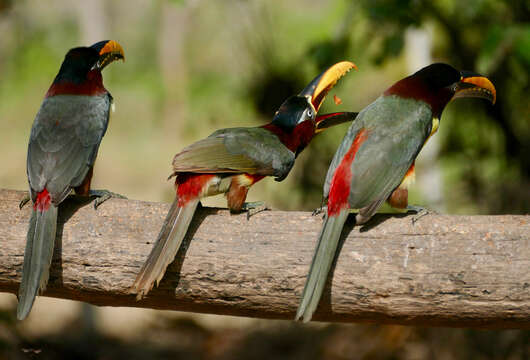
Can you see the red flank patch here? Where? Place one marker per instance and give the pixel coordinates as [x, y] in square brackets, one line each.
[190, 186]
[340, 184]
[43, 201]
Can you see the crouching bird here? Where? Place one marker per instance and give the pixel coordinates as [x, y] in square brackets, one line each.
[375, 161]
[63, 145]
[231, 160]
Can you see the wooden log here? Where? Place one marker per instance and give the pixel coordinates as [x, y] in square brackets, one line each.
[462, 271]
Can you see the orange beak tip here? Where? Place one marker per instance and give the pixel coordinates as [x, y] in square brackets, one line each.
[483, 85]
[112, 47]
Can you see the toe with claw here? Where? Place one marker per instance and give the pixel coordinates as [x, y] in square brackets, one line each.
[420, 212]
[319, 210]
[102, 196]
[323, 208]
[252, 208]
[24, 201]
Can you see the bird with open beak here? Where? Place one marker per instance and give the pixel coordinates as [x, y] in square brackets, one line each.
[230, 161]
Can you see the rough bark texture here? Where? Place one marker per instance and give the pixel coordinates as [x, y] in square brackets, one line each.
[470, 271]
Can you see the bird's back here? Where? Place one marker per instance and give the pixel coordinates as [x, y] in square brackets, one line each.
[394, 130]
[64, 141]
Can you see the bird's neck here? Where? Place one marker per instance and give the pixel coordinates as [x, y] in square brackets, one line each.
[67, 84]
[415, 88]
[296, 139]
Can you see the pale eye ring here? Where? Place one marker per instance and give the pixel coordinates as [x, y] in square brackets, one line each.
[309, 113]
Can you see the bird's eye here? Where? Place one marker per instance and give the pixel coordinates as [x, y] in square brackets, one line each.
[309, 113]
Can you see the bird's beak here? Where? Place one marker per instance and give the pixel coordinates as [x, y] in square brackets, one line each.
[319, 87]
[109, 51]
[328, 120]
[475, 85]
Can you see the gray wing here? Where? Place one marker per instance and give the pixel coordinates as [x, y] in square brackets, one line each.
[237, 150]
[64, 141]
[396, 130]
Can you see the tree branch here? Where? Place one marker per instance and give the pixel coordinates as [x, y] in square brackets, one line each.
[466, 271]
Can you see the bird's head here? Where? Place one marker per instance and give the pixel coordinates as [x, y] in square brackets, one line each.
[107, 52]
[303, 107]
[437, 84]
[79, 61]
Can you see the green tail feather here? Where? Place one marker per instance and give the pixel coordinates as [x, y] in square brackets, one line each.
[328, 241]
[167, 244]
[40, 241]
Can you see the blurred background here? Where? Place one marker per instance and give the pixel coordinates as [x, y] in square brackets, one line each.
[196, 66]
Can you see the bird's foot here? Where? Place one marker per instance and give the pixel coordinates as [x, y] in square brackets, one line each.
[319, 210]
[252, 208]
[24, 201]
[420, 212]
[102, 196]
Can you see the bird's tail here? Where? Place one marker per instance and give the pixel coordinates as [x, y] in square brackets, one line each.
[37, 257]
[328, 241]
[167, 244]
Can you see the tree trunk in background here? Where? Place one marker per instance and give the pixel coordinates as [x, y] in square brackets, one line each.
[430, 180]
[92, 18]
[174, 25]
[92, 21]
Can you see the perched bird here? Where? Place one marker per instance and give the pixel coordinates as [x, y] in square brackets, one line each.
[230, 161]
[375, 161]
[63, 145]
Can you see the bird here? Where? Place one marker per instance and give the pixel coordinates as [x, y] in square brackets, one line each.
[63, 145]
[231, 160]
[375, 161]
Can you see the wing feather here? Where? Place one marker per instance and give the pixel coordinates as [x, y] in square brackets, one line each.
[236, 150]
[64, 141]
[397, 129]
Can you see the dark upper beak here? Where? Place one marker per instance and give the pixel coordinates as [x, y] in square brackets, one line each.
[109, 51]
[319, 87]
[475, 85]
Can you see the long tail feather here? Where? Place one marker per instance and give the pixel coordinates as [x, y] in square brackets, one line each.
[167, 244]
[40, 241]
[328, 241]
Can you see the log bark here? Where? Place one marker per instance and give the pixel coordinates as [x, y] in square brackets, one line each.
[461, 271]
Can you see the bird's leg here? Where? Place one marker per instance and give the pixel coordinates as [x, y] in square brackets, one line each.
[24, 201]
[102, 196]
[420, 212]
[236, 196]
[252, 208]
